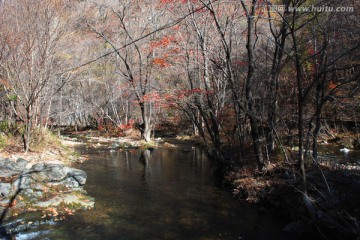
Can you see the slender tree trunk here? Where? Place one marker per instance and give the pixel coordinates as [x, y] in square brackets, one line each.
[300, 106]
[28, 129]
[214, 123]
[145, 128]
[280, 40]
[301, 99]
[319, 105]
[251, 111]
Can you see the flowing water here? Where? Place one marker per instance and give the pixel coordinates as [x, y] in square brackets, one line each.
[160, 194]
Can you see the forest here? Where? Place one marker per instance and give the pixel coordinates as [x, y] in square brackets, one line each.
[260, 84]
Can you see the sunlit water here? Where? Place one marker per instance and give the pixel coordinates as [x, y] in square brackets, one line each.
[335, 152]
[160, 194]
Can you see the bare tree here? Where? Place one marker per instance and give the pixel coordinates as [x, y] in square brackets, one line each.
[32, 64]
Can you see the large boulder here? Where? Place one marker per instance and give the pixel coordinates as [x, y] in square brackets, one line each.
[47, 172]
[56, 173]
[42, 185]
[77, 174]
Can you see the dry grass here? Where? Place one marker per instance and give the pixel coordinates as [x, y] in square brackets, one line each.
[44, 146]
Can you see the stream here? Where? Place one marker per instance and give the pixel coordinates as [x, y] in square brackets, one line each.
[166, 193]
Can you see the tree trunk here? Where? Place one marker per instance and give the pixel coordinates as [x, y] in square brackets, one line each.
[279, 40]
[319, 105]
[251, 111]
[145, 128]
[27, 130]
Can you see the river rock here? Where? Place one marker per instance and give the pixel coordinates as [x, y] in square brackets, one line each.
[8, 173]
[77, 174]
[8, 168]
[47, 172]
[16, 166]
[56, 173]
[5, 190]
[22, 182]
[42, 185]
[21, 164]
[7, 164]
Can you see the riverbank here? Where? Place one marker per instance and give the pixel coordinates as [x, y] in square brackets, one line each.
[333, 187]
[187, 181]
[40, 183]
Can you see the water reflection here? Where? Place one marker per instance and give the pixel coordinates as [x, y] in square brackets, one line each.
[161, 194]
[144, 159]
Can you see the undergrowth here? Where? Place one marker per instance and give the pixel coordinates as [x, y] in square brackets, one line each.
[43, 139]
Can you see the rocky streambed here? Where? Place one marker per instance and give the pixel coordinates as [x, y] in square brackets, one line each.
[51, 189]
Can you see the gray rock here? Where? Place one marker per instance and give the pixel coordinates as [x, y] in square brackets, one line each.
[7, 164]
[45, 172]
[37, 167]
[77, 174]
[70, 183]
[8, 173]
[9, 168]
[17, 166]
[32, 196]
[34, 183]
[56, 173]
[29, 192]
[23, 182]
[38, 194]
[21, 164]
[5, 190]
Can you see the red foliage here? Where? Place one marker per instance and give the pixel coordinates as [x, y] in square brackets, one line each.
[162, 43]
[100, 125]
[161, 62]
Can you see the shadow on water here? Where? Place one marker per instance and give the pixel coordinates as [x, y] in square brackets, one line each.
[144, 159]
[160, 194]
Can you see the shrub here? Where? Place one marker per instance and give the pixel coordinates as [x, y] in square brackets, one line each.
[43, 138]
[4, 126]
[3, 141]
